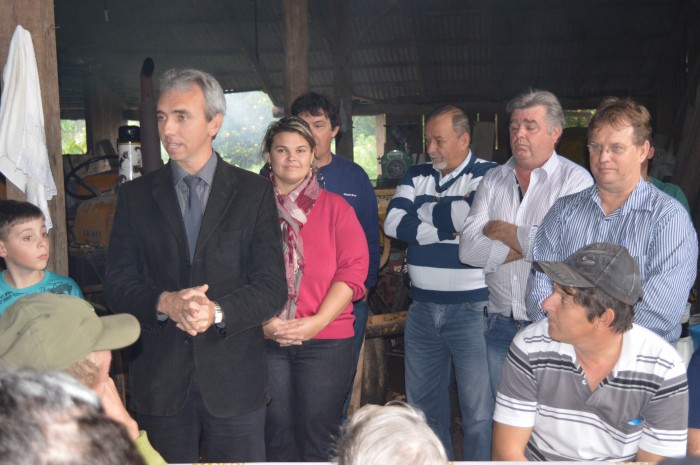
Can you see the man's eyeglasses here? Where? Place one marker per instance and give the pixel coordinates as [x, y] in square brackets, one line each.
[617, 149]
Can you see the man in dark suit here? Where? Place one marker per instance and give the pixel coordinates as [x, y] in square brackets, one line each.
[195, 254]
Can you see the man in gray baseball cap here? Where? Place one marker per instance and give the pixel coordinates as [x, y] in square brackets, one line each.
[586, 383]
[62, 332]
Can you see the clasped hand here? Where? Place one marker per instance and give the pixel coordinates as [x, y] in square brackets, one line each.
[293, 332]
[190, 309]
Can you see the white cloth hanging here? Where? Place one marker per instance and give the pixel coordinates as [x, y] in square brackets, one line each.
[24, 158]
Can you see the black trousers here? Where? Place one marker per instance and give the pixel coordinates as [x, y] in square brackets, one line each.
[181, 437]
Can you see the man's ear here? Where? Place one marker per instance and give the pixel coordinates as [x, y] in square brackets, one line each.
[3, 249]
[215, 124]
[607, 318]
[335, 131]
[465, 140]
[644, 154]
[556, 133]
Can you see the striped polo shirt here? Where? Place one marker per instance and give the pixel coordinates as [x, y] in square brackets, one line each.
[641, 404]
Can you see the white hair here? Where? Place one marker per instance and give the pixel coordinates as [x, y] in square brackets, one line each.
[394, 434]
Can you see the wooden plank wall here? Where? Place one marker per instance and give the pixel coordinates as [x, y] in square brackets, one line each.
[37, 16]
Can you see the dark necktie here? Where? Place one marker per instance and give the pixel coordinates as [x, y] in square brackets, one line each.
[193, 212]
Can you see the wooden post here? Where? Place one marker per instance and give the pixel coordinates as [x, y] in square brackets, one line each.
[104, 113]
[341, 48]
[37, 16]
[296, 51]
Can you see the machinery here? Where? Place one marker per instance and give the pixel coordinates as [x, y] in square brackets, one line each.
[91, 201]
[138, 153]
[396, 163]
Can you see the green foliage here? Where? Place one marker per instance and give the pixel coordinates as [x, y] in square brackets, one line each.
[365, 144]
[73, 137]
[577, 118]
[247, 117]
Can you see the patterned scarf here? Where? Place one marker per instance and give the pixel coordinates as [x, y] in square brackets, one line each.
[294, 209]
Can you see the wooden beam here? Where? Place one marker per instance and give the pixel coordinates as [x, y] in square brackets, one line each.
[341, 47]
[388, 324]
[296, 50]
[37, 16]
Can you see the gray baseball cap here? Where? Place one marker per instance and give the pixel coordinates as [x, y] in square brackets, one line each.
[53, 331]
[609, 267]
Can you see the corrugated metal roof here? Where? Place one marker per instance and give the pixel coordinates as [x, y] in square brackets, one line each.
[405, 51]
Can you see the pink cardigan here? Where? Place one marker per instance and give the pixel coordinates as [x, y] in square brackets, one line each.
[335, 249]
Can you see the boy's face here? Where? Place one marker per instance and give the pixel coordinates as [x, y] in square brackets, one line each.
[27, 246]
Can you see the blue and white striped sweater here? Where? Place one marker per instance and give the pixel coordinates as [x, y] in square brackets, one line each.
[426, 215]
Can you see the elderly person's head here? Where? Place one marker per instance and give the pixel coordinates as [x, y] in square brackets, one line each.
[288, 146]
[49, 418]
[536, 124]
[394, 434]
[61, 332]
[447, 138]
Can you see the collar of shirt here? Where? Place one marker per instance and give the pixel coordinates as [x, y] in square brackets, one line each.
[206, 173]
[203, 189]
[638, 199]
[455, 172]
[547, 169]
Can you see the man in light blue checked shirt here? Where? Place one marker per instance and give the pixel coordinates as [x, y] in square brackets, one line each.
[624, 209]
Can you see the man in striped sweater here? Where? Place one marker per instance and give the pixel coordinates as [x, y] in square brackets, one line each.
[586, 383]
[445, 321]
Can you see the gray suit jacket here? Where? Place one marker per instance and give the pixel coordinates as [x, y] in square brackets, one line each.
[238, 254]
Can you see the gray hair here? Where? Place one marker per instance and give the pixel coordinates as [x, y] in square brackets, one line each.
[395, 434]
[50, 418]
[460, 121]
[182, 80]
[534, 97]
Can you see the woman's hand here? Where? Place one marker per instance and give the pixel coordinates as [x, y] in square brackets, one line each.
[295, 332]
[273, 326]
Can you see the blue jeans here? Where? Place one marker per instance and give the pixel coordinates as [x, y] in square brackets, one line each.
[308, 384]
[500, 331]
[438, 336]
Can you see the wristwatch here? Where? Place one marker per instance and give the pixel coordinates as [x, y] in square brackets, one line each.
[218, 313]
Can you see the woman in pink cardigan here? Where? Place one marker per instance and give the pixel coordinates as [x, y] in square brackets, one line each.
[309, 343]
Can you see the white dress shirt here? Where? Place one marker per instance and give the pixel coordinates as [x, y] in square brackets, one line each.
[498, 198]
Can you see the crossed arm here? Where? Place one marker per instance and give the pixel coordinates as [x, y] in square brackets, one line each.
[486, 242]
